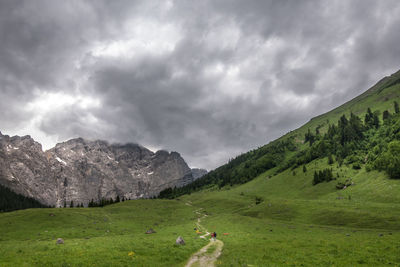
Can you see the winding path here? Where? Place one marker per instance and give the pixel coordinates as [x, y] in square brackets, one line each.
[207, 255]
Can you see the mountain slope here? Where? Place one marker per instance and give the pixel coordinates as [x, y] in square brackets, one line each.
[284, 152]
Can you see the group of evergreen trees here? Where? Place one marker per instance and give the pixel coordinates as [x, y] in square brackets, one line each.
[72, 205]
[10, 201]
[325, 175]
[104, 202]
[239, 170]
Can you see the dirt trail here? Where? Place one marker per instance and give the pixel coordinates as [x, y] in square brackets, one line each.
[207, 255]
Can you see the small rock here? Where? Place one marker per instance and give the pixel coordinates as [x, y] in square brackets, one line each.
[380, 234]
[150, 231]
[180, 241]
[60, 241]
[52, 215]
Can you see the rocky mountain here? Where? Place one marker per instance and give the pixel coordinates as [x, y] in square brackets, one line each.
[198, 173]
[79, 170]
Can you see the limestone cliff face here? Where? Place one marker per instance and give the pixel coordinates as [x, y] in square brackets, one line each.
[198, 173]
[79, 170]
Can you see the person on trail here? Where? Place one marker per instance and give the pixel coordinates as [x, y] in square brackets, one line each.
[214, 236]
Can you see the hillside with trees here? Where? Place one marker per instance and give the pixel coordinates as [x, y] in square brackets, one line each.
[362, 133]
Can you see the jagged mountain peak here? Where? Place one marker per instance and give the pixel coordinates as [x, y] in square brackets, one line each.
[80, 170]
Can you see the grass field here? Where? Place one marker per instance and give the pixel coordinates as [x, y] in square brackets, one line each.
[317, 225]
[99, 236]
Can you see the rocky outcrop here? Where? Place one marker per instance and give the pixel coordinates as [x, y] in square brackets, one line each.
[79, 170]
[198, 173]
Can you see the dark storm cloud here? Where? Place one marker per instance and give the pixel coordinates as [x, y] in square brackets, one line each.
[209, 79]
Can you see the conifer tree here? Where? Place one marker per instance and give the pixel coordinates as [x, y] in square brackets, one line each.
[385, 115]
[330, 159]
[396, 107]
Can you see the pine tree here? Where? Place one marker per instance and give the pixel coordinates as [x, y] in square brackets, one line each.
[330, 159]
[369, 118]
[385, 115]
[304, 168]
[376, 119]
[396, 107]
[117, 199]
[71, 205]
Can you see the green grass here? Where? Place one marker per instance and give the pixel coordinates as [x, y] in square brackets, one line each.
[295, 224]
[315, 226]
[99, 236]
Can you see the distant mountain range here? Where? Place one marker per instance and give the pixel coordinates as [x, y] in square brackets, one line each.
[80, 171]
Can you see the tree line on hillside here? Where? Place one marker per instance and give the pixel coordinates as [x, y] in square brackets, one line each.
[239, 170]
[92, 203]
[325, 175]
[104, 201]
[10, 201]
[372, 141]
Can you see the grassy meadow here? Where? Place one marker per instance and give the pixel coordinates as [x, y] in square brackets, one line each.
[99, 236]
[315, 226]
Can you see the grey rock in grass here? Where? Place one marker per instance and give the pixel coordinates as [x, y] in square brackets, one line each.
[150, 231]
[180, 241]
[60, 241]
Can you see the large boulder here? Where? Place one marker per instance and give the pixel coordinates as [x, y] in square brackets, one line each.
[180, 241]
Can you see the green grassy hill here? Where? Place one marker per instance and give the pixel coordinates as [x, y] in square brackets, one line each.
[265, 205]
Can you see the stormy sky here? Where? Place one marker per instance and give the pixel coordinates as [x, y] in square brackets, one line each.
[209, 79]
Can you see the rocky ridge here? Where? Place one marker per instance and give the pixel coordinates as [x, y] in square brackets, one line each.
[79, 170]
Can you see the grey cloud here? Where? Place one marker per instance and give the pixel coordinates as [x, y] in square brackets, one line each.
[234, 80]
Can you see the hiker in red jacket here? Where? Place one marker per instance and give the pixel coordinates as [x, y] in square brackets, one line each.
[214, 236]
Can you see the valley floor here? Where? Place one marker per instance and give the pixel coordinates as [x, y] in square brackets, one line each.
[258, 224]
